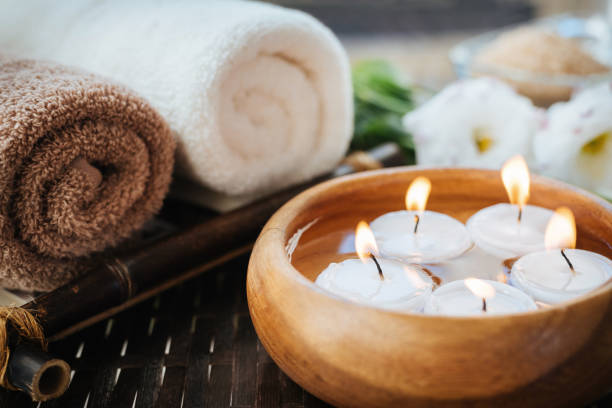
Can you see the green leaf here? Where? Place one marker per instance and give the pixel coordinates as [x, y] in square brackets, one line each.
[381, 100]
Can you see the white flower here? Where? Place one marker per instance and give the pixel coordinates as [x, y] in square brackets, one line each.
[475, 122]
[576, 143]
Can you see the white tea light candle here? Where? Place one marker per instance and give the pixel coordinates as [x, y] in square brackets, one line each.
[476, 297]
[515, 229]
[546, 276]
[495, 229]
[376, 282]
[560, 273]
[403, 287]
[416, 235]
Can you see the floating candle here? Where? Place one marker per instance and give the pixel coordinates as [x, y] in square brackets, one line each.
[416, 235]
[561, 272]
[477, 297]
[376, 281]
[515, 229]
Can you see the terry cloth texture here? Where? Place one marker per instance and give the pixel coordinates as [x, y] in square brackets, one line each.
[83, 163]
[258, 96]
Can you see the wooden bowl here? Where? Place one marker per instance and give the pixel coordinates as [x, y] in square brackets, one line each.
[354, 355]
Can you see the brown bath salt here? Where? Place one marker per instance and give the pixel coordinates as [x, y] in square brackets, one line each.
[538, 52]
[83, 164]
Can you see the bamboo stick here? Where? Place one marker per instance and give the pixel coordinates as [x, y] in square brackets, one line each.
[121, 281]
[37, 373]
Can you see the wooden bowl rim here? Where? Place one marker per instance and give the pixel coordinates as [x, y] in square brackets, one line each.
[275, 231]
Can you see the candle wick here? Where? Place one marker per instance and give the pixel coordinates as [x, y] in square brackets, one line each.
[520, 213]
[484, 304]
[380, 272]
[569, 263]
[417, 219]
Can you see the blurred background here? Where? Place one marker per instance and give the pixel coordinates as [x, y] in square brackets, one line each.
[417, 35]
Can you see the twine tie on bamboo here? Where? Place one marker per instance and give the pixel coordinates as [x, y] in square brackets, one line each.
[26, 326]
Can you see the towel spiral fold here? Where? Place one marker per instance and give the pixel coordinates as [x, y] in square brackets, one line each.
[83, 164]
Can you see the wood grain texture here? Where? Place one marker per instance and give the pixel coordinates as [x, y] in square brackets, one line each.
[352, 355]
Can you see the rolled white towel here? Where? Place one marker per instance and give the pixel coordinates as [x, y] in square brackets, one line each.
[475, 122]
[259, 96]
[576, 143]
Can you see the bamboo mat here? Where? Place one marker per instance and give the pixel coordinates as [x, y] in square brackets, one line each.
[191, 346]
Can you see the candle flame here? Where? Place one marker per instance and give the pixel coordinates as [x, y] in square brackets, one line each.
[415, 278]
[561, 230]
[365, 243]
[515, 175]
[480, 288]
[417, 194]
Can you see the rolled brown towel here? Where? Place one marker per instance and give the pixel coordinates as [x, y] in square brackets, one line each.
[83, 163]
